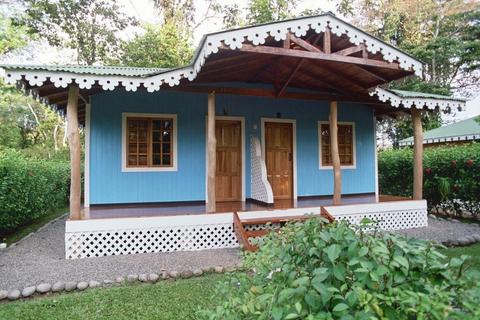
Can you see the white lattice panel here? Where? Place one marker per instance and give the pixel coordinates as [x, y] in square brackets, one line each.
[132, 241]
[260, 188]
[388, 215]
[105, 237]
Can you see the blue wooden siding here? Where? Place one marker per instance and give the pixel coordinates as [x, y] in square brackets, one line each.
[108, 184]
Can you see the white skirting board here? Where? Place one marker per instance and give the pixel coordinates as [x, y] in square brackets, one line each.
[105, 237]
[393, 215]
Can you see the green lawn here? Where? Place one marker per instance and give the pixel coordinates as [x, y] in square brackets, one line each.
[164, 300]
[34, 225]
[473, 251]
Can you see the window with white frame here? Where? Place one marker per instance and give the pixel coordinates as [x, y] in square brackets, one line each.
[149, 142]
[346, 144]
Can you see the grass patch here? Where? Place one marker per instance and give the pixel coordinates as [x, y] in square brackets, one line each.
[473, 251]
[34, 225]
[164, 300]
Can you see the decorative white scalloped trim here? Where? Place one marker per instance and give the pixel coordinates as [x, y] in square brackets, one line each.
[431, 103]
[234, 40]
[465, 137]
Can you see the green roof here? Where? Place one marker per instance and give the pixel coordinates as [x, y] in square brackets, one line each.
[413, 95]
[464, 128]
[97, 70]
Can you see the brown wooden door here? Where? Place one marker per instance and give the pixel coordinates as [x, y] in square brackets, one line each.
[228, 184]
[279, 158]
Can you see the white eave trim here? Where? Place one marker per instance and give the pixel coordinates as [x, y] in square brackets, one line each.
[234, 40]
[465, 137]
[430, 103]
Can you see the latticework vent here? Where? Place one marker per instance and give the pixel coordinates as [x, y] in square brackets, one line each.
[391, 220]
[105, 237]
[115, 242]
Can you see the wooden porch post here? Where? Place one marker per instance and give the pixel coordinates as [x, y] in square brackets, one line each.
[74, 145]
[337, 174]
[212, 154]
[417, 154]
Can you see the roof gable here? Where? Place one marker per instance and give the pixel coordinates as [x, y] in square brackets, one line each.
[211, 44]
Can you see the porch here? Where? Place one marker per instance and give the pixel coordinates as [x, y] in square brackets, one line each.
[199, 207]
[114, 230]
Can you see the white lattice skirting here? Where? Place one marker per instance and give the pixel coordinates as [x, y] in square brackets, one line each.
[393, 215]
[105, 237]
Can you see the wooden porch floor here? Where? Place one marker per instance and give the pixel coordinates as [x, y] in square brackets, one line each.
[168, 209]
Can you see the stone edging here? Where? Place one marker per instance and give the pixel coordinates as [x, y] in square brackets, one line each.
[69, 286]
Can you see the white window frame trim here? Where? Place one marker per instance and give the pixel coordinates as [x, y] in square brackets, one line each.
[174, 167]
[354, 139]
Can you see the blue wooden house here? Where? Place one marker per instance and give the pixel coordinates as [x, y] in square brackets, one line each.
[267, 121]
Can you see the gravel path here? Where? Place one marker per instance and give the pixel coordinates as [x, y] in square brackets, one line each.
[41, 258]
[443, 230]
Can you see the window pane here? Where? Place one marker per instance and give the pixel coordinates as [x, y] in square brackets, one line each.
[166, 160]
[156, 159]
[142, 160]
[166, 135]
[156, 136]
[132, 160]
[166, 148]
[142, 148]
[157, 124]
[167, 124]
[156, 148]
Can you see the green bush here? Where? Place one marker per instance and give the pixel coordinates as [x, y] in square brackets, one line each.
[331, 271]
[29, 188]
[451, 176]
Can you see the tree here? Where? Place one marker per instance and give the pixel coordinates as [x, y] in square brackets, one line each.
[88, 26]
[401, 127]
[11, 36]
[159, 46]
[28, 125]
[258, 11]
[182, 13]
[443, 34]
[263, 11]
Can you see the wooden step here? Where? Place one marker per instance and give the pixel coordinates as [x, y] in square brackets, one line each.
[243, 235]
[257, 233]
[276, 219]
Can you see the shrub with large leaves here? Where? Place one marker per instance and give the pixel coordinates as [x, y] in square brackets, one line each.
[317, 270]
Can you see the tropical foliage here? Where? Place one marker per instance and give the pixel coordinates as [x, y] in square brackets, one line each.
[318, 270]
[163, 46]
[29, 188]
[89, 27]
[443, 34]
[451, 176]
